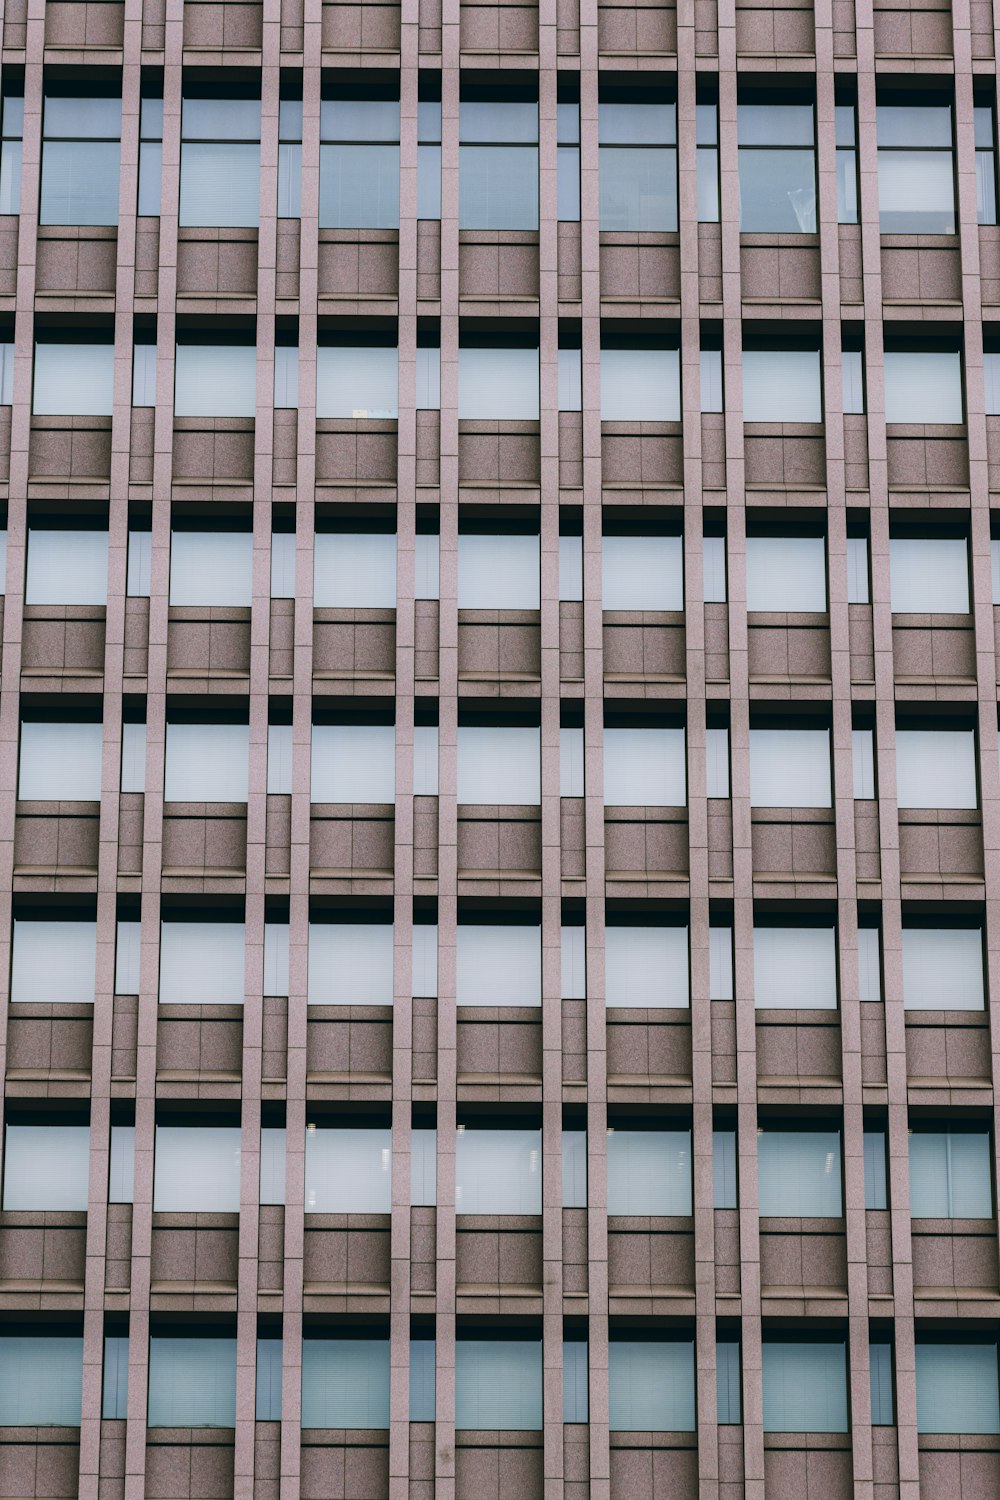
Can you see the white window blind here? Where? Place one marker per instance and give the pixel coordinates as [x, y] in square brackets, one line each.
[207, 763]
[197, 1169]
[60, 762]
[53, 962]
[858, 591]
[786, 574]
[282, 564]
[354, 570]
[642, 572]
[499, 764]
[644, 767]
[428, 377]
[114, 1390]
[192, 1382]
[211, 568]
[782, 385]
[852, 374]
[498, 965]
[573, 962]
[498, 385]
[943, 968]
[790, 768]
[345, 1383]
[576, 1376]
[923, 385]
[46, 1167]
[144, 375]
[640, 385]
[121, 1174]
[795, 968]
[929, 575]
[869, 965]
[957, 1389]
[724, 1169]
[570, 379]
[805, 1387]
[272, 1164]
[74, 380]
[425, 959]
[286, 377]
[276, 958]
[571, 568]
[422, 1380]
[863, 763]
[202, 963]
[67, 567]
[220, 185]
[498, 572]
[714, 564]
[717, 762]
[880, 1377]
[498, 1385]
[799, 1173]
[139, 572]
[651, 1385]
[350, 963]
[279, 759]
[215, 380]
[427, 565]
[353, 763]
[423, 1167]
[876, 1184]
[498, 1171]
[425, 760]
[571, 762]
[41, 1380]
[359, 382]
[936, 768]
[574, 1169]
[720, 962]
[268, 1393]
[348, 1170]
[649, 1172]
[133, 758]
[711, 380]
[950, 1174]
[647, 966]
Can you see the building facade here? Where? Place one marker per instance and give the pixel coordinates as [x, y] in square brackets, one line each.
[498, 749]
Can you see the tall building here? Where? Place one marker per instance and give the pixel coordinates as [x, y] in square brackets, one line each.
[499, 777]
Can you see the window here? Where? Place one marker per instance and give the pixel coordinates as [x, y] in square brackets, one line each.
[720, 961]
[41, 1380]
[428, 383]
[283, 564]
[727, 1382]
[571, 762]
[128, 956]
[950, 1174]
[644, 767]
[358, 381]
[353, 763]
[710, 370]
[777, 160]
[144, 374]
[929, 574]
[150, 157]
[422, 1379]
[46, 1167]
[139, 571]
[60, 761]
[6, 386]
[724, 1169]
[215, 380]
[571, 567]
[425, 760]
[637, 161]
[863, 762]
[498, 164]
[869, 965]
[498, 1384]
[574, 1167]
[286, 379]
[651, 1385]
[192, 1382]
[880, 1371]
[290, 159]
[717, 761]
[568, 160]
[707, 139]
[916, 178]
[570, 383]
[640, 385]
[220, 163]
[276, 958]
[345, 1382]
[714, 564]
[986, 164]
[498, 1171]
[429, 159]
[53, 961]
[202, 962]
[423, 1166]
[649, 1172]
[279, 759]
[923, 386]
[858, 589]
[847, 163]
[576, 1375]
[795, 968]
[497, 382]
[943, 968]
[81, 166]
[498, 965]
[852, 374]
[121, 1173]
[642, 572]
[790, 768]
[499, 764]
[114, 1386]
[786, 574]
[271, 1187]
[348, 1170]
[805, 1386]
[876, 1178]
[354, 570]
[197, 1169]
[936, 768]
[268, 1395]
[781, 385]
[350, 963]
[799, 1173]
[211, 568]
[73, 379]
[206, 762]
[427, 565]
[498, 571]
[11, 144]
[646, 966]
[957, 1387]
[66, 566]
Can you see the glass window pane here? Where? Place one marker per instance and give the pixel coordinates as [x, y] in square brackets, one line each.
[498, 1385]
[936, 768]
[114, 1388]
[428, 182]
[358, 382]
[782, 385]
[202, 963]
[499, 765]
[53, 962]
[786, 574]
[777, 191]
[427, 565]
[211, 568]
[717, 762]
[647, 966]
[651, 1386]
[497, 187]
[916, 192]
[221, 119]
[498, 965]
[354, 763]
[345, 1382]
[220, 185]
[498, 572]
[574, 1165]
[348, 1171]
[568, 183]
[571, 762]
[207, 763]
[847, 187]
[272, 1164]
[350, 963]
[636, 124]
[863, 762]
[46, 1167]
[711, 380]
[923, 385]
[575, 1381]
[41, 1380]
[853, 380]
[642, 572]
[876, 1182]
[638, 188]
[192, 1382]
[80, 181]
[60, 762]
[215, 380]
[795, 968]
[649, 1172]
[144, 375]
[67, 567]
[269, 1359]
[276, 958]
[359, 187]
[707, 181]
[951, 1174]
[573, 956]
[720, 962]
[279, 758]
[121, 1174]
[869, 965]
[74, 380]
[805, 1387]
[359, 119]
[354, 570]
[929, 575]
[857, 570]
[128, 956]
[423, 1168]
[139, 575]
[425, 760]
[498, 1171]
[644, 767]
[497, 384]
[714, 562]
[197, 1169]
[724, 1178]
[640, 385]
[942, 968]
[422, 1380]
[790, 768]
[290, 180]
[957, 1388]
[727, 1387]
[571, 568]
[799, 1173]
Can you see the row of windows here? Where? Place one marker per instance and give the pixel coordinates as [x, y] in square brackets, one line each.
[499, 962]
[359, 162]
[498, 1381]
[498, 1169]
[498, 379]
